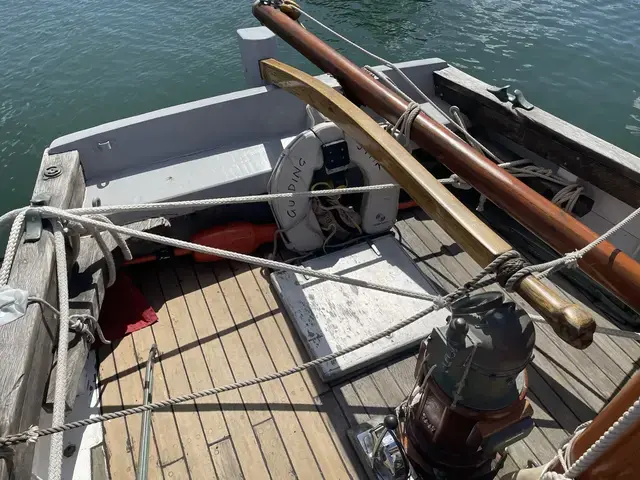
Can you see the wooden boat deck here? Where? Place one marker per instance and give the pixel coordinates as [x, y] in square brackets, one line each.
[219, 323]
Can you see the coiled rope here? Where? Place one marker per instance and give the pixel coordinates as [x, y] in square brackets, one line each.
[567, 196]
[438, 302]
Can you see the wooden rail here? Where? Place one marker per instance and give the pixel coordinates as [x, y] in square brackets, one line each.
[27, 357]
[606, 166]
[571, 322]
[27, 344]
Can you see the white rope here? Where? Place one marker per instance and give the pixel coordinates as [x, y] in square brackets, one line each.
[454, 110]
[12, 246]
[204, 203]
[594, 452]
[405, 122]
[83, 324]
[566, 197]
[261, 262]
[475, 283]
[613, 433]
[569, 260]
[102, 244]
[59, 403]
[569, 197]
[387, 63]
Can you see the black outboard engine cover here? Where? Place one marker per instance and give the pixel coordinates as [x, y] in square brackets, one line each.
[480, 356]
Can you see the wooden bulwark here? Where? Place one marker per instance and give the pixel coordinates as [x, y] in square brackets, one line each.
[221, 322]
[606, 166]
[26, 345]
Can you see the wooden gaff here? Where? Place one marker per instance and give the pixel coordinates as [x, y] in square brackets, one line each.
[571, 322]
[606, 264]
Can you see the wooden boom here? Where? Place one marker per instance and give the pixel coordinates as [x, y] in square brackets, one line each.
[571, 322]
[605, 264]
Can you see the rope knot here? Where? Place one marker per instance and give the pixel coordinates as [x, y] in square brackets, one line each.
[32, 434]
[405, 122]
[509, 272]
[87, 326]
[459, 183]
[440, 303]
[571, 259]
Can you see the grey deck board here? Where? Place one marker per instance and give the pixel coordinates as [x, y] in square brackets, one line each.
[387, 386]
[402, 371]
[371, 399]
[336, 421]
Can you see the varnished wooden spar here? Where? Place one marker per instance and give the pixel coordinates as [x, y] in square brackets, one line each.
[605, 264]
[571, 322]
[621, 459]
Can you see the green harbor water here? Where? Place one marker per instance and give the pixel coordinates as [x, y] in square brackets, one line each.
[69, 65]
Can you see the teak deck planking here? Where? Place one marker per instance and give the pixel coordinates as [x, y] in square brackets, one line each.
[219, 323]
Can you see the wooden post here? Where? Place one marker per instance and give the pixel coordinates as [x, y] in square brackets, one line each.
[26, 345]
[256, 44]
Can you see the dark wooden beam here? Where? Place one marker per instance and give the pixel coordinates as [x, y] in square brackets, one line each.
[604, 165]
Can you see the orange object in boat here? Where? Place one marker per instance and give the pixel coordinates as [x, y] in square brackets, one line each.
[239, 237]
[407, 204]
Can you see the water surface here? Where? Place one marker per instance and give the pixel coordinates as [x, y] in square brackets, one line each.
[68, 65]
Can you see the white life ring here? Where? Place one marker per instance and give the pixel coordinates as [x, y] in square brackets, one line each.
[294, 172]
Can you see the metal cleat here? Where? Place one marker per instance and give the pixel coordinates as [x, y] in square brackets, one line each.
[517, 99]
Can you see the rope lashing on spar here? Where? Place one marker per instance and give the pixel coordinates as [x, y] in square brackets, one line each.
[405, 122]
[568, 196]
[591, 455]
